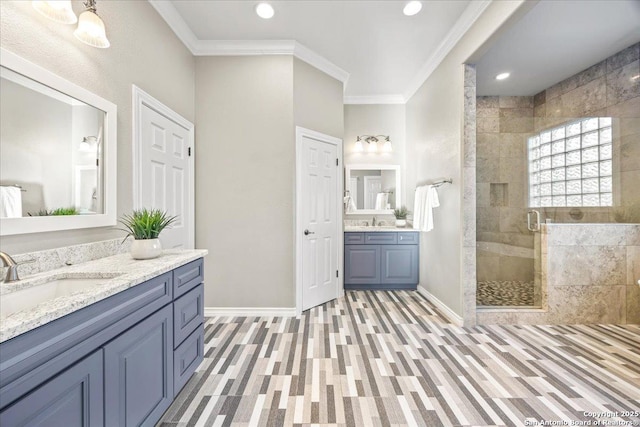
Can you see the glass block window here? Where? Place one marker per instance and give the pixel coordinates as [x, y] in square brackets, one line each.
[570, 165]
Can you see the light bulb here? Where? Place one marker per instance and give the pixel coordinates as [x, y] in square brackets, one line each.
[412, 8]
[265, 10]
[386, 147]
[373, 147]
[358, 148]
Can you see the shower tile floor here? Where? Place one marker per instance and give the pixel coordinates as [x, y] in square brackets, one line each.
[505, 293]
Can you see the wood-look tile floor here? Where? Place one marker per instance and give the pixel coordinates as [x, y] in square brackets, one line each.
[390, 358]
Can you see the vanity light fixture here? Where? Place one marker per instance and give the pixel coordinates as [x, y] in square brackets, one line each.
[412, 8]
[91, 28]
[56, 10]
[373, 140]
[502, 76]
[265, 10]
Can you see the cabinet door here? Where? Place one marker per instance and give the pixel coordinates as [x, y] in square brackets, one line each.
[139, 372]
[361, 264]
[73, 398]
[399, 265]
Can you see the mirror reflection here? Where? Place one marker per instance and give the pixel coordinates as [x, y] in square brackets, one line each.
[51, 149]
[372, 188]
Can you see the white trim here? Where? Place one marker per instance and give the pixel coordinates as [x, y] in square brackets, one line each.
[462, 25]
[12, 226]
[450, 314]
[298, 226]
[309, 56]
[172, 17]
[139, 98]
[249, 312]
[375, 99]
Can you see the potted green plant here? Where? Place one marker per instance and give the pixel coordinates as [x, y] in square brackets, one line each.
[145, 225]
[401, 216]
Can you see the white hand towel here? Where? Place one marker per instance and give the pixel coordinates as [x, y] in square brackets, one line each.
[350, 205]
[10, 202]
[432, 201]
[381, 201]
[418, 207]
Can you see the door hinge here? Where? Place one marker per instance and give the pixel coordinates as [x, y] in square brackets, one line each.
[337, 273]
[336, 162]
[189, 151]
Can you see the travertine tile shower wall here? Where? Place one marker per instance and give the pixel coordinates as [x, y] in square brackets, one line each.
[610, 88]
[505, 246]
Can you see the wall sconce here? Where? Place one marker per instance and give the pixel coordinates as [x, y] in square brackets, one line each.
[56, 10]
[90, 27]
[373, 140]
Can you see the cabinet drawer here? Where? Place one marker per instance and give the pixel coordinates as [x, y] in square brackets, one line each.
[380, 238]
[188, 314]
[187, 277]
[353, 238]
[408, 238]
[186, 359]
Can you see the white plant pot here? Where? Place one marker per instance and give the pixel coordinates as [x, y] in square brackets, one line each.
[146, 248]
[401, 222]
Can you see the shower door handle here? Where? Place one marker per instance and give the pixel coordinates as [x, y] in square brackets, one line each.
[536, 225]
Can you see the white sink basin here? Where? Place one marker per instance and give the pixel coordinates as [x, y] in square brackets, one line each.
[27, 298]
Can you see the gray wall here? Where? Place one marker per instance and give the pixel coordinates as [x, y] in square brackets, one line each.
[144, 51]
[247, 110]
[434, 151]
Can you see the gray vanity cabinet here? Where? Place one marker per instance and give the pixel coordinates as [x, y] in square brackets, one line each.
[139, 363]
[118, 362]
[73, 398]
[381, 260]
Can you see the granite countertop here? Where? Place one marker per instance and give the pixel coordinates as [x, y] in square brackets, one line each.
[371, 229]
[119, 272]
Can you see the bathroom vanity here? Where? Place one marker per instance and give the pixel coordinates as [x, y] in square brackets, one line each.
[115, 354]
[381, 258]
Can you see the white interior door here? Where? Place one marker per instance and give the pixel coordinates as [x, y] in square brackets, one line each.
[372, 186]
[318, 222]
[165, 176]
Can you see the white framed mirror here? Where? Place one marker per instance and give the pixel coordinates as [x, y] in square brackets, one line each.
[57, 152]
[372, 189]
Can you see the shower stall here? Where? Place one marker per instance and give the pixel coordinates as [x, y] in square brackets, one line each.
[558, 197]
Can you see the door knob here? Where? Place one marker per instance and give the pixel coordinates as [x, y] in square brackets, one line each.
[307, 232]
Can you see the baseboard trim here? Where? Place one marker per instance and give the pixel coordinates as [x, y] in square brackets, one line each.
[450, 314]
[249, 311]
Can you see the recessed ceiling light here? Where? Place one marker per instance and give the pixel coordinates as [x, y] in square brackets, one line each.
[412, 8]
[265, 10]
[502, 76]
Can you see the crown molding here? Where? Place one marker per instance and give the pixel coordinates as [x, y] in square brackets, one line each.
[168, 12]
[462, 25]
[375, 99]
[244, 47]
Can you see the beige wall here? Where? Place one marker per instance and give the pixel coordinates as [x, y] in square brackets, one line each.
[377, 119]
[144, 51]
[434, 151]
[245, 179]
[317, 100]
[246, 110]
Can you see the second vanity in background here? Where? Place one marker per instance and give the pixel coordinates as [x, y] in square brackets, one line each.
[381, 258]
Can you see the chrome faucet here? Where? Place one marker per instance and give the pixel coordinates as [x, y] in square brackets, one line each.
[12, 268]
[373, 223]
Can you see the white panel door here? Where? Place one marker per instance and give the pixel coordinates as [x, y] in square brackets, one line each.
[165, 171]
[319, 220]
[372, 186]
